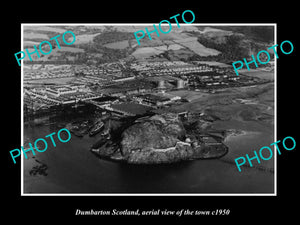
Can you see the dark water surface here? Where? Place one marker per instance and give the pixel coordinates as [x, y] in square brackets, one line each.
[72, 168]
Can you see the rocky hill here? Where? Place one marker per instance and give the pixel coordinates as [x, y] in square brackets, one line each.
[159, 139]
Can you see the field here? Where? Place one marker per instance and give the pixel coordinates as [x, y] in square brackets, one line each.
[44, 28]
[67, 49]
[181, 49]
[85, 38]
[29, 44]
[150, 51]
[118, 45]
[195, 46]
[56, 52]
[258, 73]
[218, 35]
[177, 41]
[119, 42]
[34, 36]
[63, 80]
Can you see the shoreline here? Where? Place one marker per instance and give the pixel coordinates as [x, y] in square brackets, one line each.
[231, 133]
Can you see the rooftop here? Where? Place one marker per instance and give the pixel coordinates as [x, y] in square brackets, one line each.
[132, 108]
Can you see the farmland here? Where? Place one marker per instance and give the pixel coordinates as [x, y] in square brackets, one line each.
[110, 43]
[118, 45]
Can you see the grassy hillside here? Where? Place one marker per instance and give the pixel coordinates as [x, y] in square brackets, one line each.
[109, 43]
[256, 33]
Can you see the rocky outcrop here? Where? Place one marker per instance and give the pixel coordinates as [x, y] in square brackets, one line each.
[157, 156]
[157, 132]
[159, 139]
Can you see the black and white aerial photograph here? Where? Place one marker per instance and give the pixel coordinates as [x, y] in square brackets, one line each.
[165, 115]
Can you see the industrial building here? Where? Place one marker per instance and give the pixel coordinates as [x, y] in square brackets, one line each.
[156, 100]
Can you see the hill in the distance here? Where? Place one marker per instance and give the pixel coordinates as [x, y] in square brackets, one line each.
[99, 44]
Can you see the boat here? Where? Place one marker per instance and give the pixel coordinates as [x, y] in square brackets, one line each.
[79, 128]
[96, 128]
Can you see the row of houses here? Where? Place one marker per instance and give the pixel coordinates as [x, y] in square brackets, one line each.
[104, 69]
[54, 95]
[210, 78]
[45, 75]
[169, 68]
[144, 66]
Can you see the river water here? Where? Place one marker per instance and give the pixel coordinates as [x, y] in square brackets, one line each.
[73, 169]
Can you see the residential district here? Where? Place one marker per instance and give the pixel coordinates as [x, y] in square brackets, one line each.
[123, 88]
